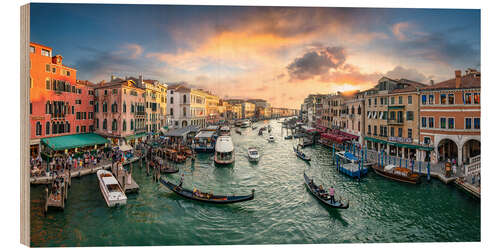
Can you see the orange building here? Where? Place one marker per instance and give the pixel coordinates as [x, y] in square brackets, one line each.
[59, 104]
[450, 114]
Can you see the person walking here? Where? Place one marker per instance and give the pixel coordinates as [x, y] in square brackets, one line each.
[332, 193]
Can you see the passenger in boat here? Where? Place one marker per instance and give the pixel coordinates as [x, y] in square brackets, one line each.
[332, 193]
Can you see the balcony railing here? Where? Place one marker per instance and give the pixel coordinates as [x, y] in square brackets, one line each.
[395, 122]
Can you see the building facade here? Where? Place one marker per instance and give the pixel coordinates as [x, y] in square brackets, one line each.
[59, 104]
[187, 106]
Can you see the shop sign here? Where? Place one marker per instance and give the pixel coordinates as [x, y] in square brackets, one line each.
[400, 139]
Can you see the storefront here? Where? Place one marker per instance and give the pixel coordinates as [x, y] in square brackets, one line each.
[77, 143]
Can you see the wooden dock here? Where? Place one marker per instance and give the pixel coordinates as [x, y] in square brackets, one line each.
[125, 179]
[57, 198]
[471, 189]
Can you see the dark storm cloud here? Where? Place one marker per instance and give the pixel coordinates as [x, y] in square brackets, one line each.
[317, 62]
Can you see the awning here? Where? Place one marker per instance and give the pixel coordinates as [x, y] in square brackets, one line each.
[125, 147]
[375, 140]
[74, 141]
[412, 146]
[130, 137]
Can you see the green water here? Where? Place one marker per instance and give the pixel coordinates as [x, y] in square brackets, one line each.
[282, 212]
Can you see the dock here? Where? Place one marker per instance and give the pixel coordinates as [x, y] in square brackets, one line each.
[352, 170]
[125, 178]
[57, 198]
[469, 188]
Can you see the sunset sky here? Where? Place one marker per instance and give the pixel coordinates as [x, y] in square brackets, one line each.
[278, 54]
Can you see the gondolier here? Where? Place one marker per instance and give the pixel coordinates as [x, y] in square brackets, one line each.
[332, 193]
[182, 180]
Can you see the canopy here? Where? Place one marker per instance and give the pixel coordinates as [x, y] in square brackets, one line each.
[109, 181]
[74, 141]
[130, 137]
[125, 147]
[181, 131]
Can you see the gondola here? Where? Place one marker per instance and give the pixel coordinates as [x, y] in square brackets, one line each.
[168, 170]
[325, 200]
[206, 197]
[301, 155]
[397, 173]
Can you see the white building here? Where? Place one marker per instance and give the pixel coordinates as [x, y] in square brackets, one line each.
[186, 106]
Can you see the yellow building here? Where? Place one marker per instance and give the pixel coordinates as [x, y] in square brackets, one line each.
[248, 110]
[212, 107]
[198, 108]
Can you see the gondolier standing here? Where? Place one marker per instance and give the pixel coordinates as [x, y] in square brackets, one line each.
[332, 192]
[182, 180]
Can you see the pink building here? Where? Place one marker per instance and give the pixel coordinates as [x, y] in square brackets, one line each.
[119, 110]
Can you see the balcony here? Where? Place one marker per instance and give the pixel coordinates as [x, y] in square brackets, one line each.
[395, 122]
[140, 130]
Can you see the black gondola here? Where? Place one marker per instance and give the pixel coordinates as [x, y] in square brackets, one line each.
[325, 199]
[301, 154]
[206, 197]
[169, 170]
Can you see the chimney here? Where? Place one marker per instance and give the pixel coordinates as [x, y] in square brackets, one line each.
[458, 78]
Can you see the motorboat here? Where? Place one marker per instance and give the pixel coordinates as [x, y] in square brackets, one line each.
[253, 154]
[271, 138]
[225, 130]
[245, 123]
[224, 150]
[288, 137]
[111, 190]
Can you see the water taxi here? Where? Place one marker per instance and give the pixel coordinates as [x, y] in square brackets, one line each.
[253, 154]
[224, 150]
[225, 130]
[397, 173]
[271, 138]
[111, 190]
[204, 141]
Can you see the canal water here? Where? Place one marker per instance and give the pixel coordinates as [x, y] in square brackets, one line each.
[282, 212]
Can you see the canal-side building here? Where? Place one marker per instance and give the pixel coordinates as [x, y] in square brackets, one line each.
[353, 117]
[153, 108]
[403, 121]
[120, 113]
[59, 104]
[212, 107]
[450, 113]
[187, 106]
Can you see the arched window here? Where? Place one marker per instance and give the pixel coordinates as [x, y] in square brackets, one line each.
[184, 111]
[114, 107]
[171, 100]
[105, 124]
[97, 123]
[61, 127]
[124, 125]
[47, 128]
[131, 124]
[54, 128]
[184, 98]
[47, 108]
[38, 129]
[104, 107]
[124, 107]
[54, 84]
[359, 109]
[114, 125]
[171, 111]
[67, 127]
[352, 110]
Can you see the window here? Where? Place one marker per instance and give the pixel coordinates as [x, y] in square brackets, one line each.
[375, 115]
[385, 115]
[184, 111]
[410, 133]
[47, 67]
[451, 123]
[400, 100]
[171, 111]
[431, 99]
[380, 115]
[131, 124]
[369, 114]
[32, 49]
[400, 132]
[400, 116]
[124, 108]
[124, 127]
[409, 115]
[114, 125]
[104, 107]
[442, 99]
[54, 70]
[392, 131]
[97, 123]
[431, 122]
[68, 127]
[424, 122]
[381, 101]
[443, 122]
[468, 123]
[359, 110]
[427, 140]
[424, 99]
[477, 122]
[393, 115]
[47, 83]
[38, 129]
[78, 129]
[115, 91]
[410, 101]
[375, 101]
[84, 129]
[468, 99]
[105, 124]
[47, 128]
[381, 131]
[374, 130]
[392, 99]
[451, 98]
[48, 108]
[184, 100]
[171, 100]
[369, 130]
[476, 98]
[45, 52]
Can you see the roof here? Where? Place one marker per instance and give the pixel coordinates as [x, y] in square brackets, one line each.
[224, 144]
[182, 131]
[467, 82]
[205, 134]
[109, 181]
[412, 86]
[74, 141]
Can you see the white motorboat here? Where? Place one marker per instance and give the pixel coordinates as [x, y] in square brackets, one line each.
[225, 130]
[245, 123]
[110, 188]
[253, 154]
[224, 150]
[271, 138]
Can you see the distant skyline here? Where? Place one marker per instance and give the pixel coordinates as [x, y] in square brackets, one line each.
[280, 54]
